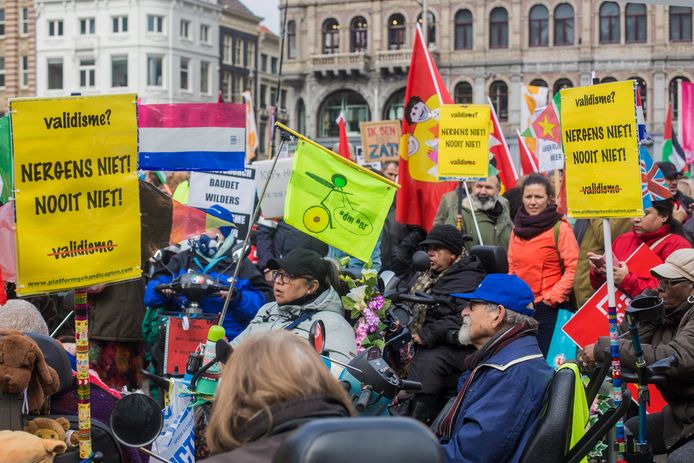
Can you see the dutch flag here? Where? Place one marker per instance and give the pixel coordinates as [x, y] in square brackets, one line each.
[192, 137]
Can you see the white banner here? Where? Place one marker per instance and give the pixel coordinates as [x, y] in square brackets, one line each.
[550, 155]
[176, 442]
[272, 205]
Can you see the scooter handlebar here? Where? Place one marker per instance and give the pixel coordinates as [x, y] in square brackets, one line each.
[410, 386]
[363, 400]
[417, 298]
[162, 287]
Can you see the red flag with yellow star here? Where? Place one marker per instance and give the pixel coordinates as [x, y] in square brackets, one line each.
[546, 125]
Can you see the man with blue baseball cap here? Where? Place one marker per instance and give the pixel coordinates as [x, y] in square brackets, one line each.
[500, 396]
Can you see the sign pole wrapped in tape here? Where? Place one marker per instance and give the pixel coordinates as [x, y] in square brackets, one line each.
[599, 135]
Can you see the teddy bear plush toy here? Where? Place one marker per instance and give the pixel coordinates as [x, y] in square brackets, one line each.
[48, 428]
[22, 447]
[23, 367]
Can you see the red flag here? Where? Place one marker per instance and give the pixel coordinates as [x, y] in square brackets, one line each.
[528, 159]
[499, 150]
[546, 124]
[343, 147]
[418, 199]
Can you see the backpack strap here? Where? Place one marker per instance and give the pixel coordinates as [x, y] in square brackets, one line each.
[655, 245]
[556, 245]
[306, 315]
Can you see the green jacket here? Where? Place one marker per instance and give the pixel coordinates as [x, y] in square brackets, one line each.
[495, 225]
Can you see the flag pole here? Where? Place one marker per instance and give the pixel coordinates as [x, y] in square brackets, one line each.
[472, 212]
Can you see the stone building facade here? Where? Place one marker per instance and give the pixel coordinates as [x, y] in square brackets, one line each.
[17, 50]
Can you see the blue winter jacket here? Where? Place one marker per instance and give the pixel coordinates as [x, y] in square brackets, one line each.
[501, 406]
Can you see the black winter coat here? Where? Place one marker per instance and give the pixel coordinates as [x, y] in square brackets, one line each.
[277, 242]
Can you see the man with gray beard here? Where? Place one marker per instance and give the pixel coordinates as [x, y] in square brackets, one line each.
[501, 394]
[491, 211]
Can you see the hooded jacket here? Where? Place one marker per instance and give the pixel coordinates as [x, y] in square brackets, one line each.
[495, 225]
[339, 335]
[672, 334]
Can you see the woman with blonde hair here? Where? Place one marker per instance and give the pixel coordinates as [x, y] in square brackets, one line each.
[273, 383]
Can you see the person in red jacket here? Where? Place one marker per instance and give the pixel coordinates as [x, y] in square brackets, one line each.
[657, 229]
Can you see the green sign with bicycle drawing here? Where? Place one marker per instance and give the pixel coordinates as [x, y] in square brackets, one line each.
[337, 201]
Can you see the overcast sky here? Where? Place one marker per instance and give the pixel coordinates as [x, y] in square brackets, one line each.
[268, 10]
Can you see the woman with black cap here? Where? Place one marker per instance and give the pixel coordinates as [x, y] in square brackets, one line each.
[304, 287]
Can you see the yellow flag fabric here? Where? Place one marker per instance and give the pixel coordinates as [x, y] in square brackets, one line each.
[336, 201]
[580, 410]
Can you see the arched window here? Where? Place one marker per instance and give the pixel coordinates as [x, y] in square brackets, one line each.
[301, 116]
[539, 83]
[564, 24]
[498, 93]
[463, 30]
[608, 79]
[561, 84]
[636, 25]
[463, 93]
[609, 22]
[357, 34]
[673, 95]
[347, 102]
[331, 36]
[395, 106]
[291, 40]
[642, 93]
[680, 24]
[431, 26]
[498, 28]
[539, 26]
[396, 32]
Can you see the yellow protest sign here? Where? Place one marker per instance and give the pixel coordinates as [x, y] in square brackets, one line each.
[603, 177]
[464, 141]
[77, 198]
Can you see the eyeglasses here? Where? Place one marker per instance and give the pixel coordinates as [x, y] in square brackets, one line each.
[285, 278]
[667, 283]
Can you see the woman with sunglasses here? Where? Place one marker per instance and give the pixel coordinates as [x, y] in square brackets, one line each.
[304, 285]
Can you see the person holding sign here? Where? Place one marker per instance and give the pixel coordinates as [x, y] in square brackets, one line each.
[543, 252]
[659, 230]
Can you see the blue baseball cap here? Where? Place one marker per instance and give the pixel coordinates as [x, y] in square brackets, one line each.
[507, 290]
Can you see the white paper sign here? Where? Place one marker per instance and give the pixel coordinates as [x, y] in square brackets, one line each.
[234, 191]
[272, 205]
[550, 155]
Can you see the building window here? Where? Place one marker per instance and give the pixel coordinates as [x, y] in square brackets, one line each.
[291, 40]
[396, 32]
[262, 134]
[226, 49]
[283, 99]
[185, 81]
[226, 86]
[263, 96]
[55, 28]
[498, 28]
[154, 71]
[331, 36]
[250, 55]
[674, 100]
[2, 72]
[273, 95]
[498, 93]
[87, 26]
[564, 24]
[561, 84]
[119, 71]
[119, 24]
[24, 19]
[636, 25]
[263, 62]
[155, 24]
[236, 88]
[431, 26]
[301, 116]
[87, 72]
[273, 65]
[2, 21]
[204, 33]
[238, 48]
[609, 22]
[394, 108]
[55, 74]
[680, 24]
[185, 29]
[205, 77]
[351, 104]
[463, 30]
[642, 93]
[539, 26]
[357, 34]
[24, 72]
[463, 93]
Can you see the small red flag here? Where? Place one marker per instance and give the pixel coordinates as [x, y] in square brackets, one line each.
[527, 158]
[343, 147]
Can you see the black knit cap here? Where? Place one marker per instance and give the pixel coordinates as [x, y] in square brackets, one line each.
[301, 262]
[446, 236]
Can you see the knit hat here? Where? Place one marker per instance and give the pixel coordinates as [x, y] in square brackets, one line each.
[301, 262]
[507, 290]
[222, 214]
[679, 264]
[668, 169]
[446, 236]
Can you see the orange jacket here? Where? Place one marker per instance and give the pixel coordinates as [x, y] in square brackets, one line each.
[536, 262]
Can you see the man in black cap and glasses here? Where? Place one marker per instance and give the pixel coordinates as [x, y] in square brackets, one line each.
[439, 357]
[682, 202]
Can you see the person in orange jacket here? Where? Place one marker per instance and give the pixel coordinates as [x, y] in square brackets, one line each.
[543, 252]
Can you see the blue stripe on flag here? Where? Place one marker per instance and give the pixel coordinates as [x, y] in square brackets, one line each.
[196, 161]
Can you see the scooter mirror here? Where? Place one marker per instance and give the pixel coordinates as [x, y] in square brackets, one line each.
[158, 256]
[136, 420]
[420, 261]
[316, 336]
